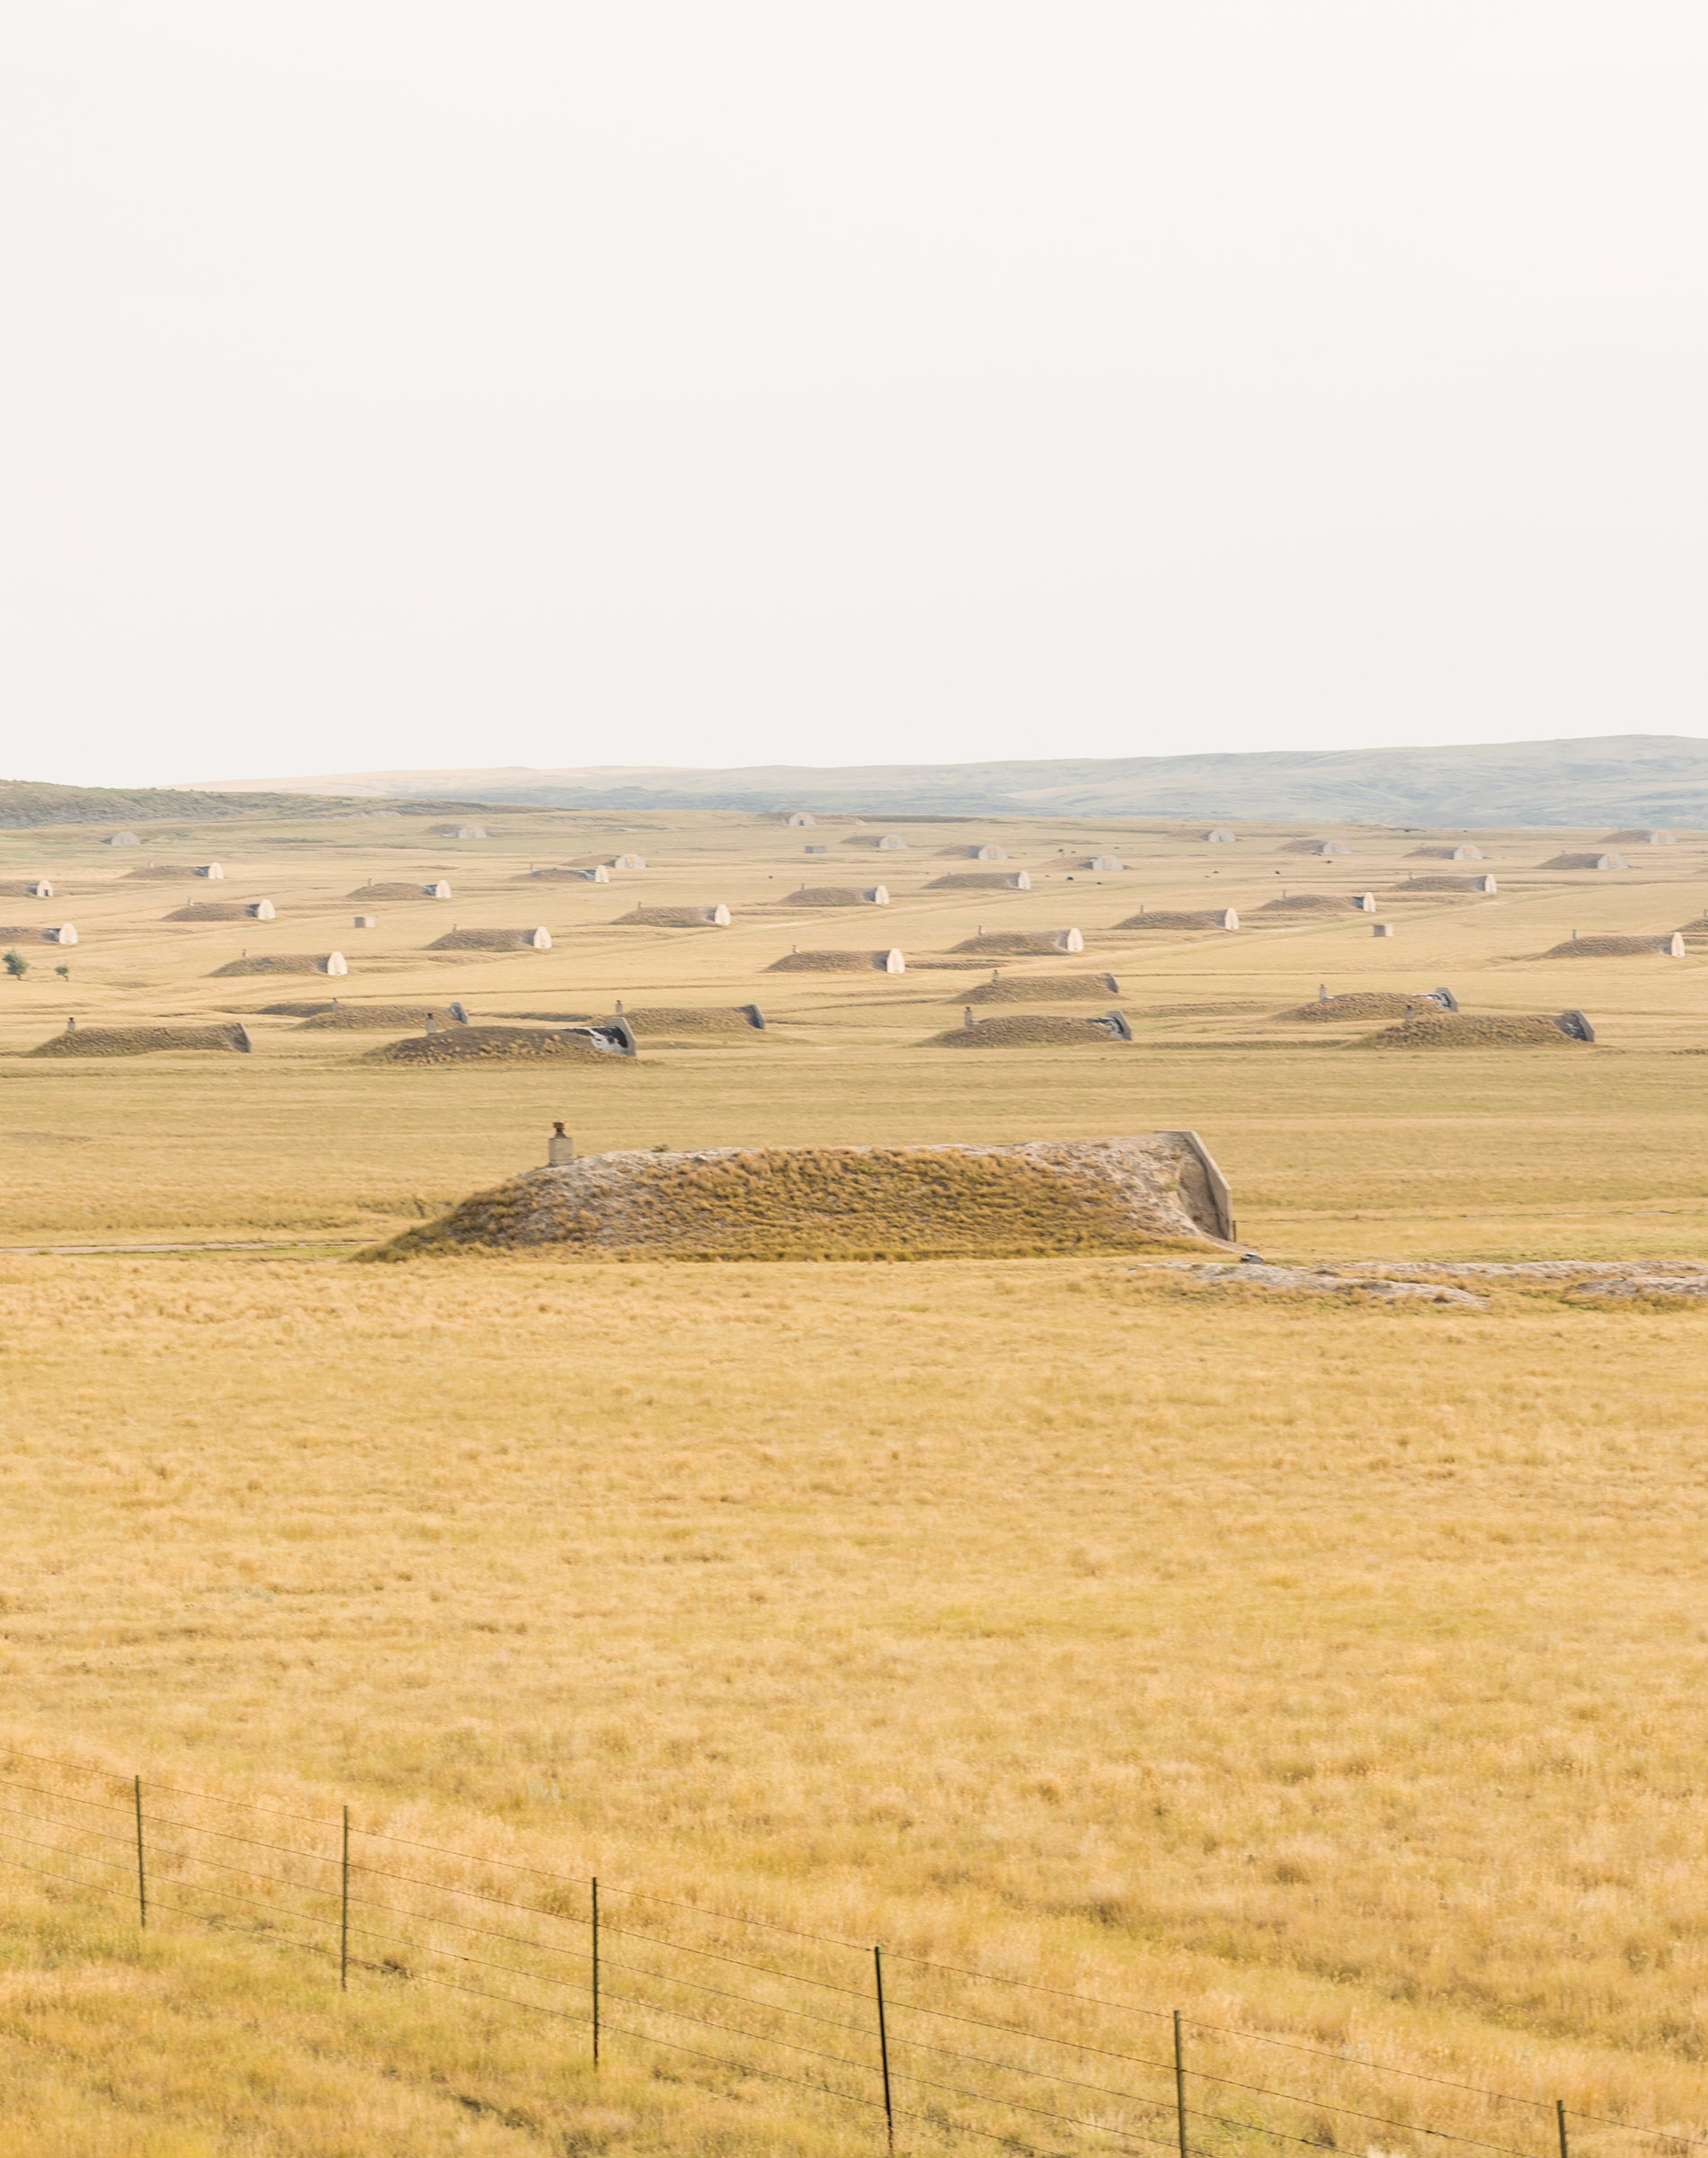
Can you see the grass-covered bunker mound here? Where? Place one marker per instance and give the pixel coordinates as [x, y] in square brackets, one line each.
[378, 1019]
[1156, 1190]
[1365, 1004]
[491, 940]
[1045, 988]
[500, 1045]
[142, 1041]
[675, 917]
[1020, 943]
[696, 1023]
[1028, 1029]
[1668, 946]
[825, 895]
[1428, 1030]
[1309, 903]
[273, 962]
[1151, 917]
[831, 962]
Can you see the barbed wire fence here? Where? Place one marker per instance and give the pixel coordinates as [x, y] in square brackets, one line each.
[933, 2054]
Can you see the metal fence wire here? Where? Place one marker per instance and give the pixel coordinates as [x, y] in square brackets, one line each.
[932, 2053]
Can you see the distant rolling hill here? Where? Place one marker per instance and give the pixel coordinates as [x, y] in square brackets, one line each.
[30, 804]
[1611, 778]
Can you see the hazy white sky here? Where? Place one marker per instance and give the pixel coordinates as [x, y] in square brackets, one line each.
[391, 382]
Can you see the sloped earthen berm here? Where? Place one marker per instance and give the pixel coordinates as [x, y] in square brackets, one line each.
[1150, 1192]
[142, 1041]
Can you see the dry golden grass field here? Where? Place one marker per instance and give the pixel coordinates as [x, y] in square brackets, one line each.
[1332, 1671]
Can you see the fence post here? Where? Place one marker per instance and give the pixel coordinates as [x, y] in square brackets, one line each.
[344, 1911]
[884, 2047]
[142, 1877]
[595, 1970]
[1180, 2085]
[1559, 2121]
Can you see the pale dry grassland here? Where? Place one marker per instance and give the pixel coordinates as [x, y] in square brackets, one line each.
[1337, 1672]
[1509, 1154]
[1341, 1670]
